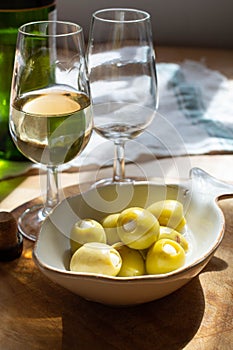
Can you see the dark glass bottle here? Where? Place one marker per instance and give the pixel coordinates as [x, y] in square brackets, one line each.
[13, 14]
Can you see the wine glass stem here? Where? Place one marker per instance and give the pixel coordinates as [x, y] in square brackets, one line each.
[119, 161]
[52, 193]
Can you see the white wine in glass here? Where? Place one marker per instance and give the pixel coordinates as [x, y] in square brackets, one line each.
[123, 81]
[51, 118]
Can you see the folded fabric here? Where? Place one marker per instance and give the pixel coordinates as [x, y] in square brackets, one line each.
[194, 117]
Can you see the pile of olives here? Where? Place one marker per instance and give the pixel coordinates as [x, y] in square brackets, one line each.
[134, 242]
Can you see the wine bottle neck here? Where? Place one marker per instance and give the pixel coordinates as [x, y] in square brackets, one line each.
[26, 4]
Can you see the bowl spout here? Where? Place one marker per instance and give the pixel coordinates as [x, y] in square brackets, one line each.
[205, 183]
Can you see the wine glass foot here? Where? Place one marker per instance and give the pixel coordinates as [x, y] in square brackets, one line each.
[29, 223]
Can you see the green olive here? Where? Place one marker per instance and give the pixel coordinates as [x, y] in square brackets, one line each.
[97, 258]
[164, 256]
[170, 233]
[132, 262]
[109, 224]
[169, 213]
[137, 228]
[85, 231]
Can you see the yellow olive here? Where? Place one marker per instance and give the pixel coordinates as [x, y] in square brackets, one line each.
[132, 262]
[170, 233]
[97, 258]
[109, 224]
[164, 256]
[85, 231]
[137, 228]
[169, 213]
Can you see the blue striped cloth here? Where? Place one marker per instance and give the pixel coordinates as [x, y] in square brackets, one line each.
[204, 97]
[195, 116]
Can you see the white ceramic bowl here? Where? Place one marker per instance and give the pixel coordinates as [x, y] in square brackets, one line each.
[205, 224]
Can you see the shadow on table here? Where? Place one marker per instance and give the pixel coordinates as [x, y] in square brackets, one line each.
[168, 323]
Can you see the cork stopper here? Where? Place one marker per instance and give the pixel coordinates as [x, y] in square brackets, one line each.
[11, 242]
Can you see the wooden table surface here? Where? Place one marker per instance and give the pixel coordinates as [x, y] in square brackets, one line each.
[37, 314]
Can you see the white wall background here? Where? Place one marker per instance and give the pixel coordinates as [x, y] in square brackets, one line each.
[204, 23]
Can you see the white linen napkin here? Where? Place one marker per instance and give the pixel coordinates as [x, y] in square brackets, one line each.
[195, 116]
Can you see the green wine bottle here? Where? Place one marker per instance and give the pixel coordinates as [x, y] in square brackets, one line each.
[12, 15]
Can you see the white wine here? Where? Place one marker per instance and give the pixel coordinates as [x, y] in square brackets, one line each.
[51, 126]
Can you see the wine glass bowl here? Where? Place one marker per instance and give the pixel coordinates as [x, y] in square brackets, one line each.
[51, 118]
[122, 73]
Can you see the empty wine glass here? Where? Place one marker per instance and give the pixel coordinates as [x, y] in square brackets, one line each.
[51, 119]
[122, 74]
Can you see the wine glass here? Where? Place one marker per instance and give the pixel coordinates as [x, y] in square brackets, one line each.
[122, 75]
[51, 118]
